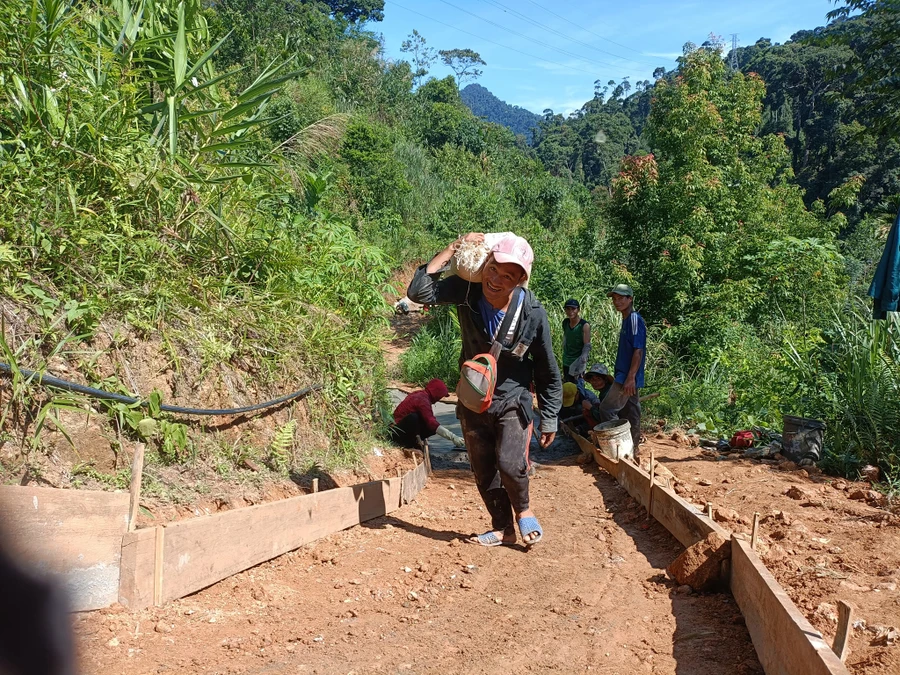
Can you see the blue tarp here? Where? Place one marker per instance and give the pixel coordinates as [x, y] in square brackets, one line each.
[885, 288]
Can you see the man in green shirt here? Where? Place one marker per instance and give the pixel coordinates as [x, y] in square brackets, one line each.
[576, 342]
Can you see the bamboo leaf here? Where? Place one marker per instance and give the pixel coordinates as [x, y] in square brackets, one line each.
[209, 83]
[227, 145]
[180, 57]
[268, 86]
[56, 119]
[173, 126]
[215, 133]
[206, 56]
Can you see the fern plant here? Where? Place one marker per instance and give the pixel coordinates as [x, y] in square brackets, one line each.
[281, 451]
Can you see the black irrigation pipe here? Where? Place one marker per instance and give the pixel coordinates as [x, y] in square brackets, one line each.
[50, 381]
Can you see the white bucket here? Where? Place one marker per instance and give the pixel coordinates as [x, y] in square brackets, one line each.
[613, 438]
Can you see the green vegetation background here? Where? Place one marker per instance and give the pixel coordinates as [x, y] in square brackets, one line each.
[247, 177]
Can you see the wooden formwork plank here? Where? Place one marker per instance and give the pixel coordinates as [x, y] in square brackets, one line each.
[413, 482]
[681, 519]
[636, 481]
[136, 580]
[202, 551]
[785, 641]
[74, 533]
[606, 463]
[611, 466]
[392, 496]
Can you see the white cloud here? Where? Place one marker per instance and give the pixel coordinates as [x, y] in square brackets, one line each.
[558, 106]
[663, 55]
[565, 68]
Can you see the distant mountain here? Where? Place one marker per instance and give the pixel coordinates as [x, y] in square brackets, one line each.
[483, 103]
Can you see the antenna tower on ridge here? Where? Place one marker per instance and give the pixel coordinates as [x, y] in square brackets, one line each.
[734, 60]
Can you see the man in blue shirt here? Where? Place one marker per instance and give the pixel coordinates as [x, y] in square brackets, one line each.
[622, 401]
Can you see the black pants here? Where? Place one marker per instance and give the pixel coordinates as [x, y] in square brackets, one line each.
[498, 452]
[404, 432]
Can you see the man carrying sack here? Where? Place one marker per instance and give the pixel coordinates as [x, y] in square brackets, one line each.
[506, 348]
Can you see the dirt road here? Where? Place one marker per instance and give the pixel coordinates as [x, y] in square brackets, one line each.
[403, 593]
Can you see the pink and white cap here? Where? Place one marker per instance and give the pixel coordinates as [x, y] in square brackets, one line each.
[514, 249]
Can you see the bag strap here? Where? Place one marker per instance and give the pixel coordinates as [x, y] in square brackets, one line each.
[508, 323]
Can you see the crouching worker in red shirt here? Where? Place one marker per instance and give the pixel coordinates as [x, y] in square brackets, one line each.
[414, 419]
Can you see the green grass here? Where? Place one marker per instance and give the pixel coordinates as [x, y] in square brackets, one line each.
[435, 350]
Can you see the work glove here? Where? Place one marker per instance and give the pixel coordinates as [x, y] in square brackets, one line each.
[578, 367]
[444, 432]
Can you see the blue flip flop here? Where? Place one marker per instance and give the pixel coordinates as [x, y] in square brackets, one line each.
[488, 539]
[530, 525]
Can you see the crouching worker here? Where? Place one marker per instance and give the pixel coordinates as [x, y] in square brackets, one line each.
[601, 382]
[501, 317]
[414, 420]
[581, 406]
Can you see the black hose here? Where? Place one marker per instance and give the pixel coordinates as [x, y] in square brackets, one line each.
[50, 381]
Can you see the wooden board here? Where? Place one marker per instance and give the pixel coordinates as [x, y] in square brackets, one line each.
[413, 482]
[588, 448]
[201, 551]
[682, 520]
[74, 533]
[785, 641]
[611, 466]
[137, 569]
[636, 481]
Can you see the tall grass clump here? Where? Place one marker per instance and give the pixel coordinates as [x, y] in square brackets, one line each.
[435, 350]
[138, 183]
[856, 377]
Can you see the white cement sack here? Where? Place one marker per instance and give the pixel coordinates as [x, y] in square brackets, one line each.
[468, 261]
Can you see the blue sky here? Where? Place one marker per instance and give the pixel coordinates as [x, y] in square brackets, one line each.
[582, 41]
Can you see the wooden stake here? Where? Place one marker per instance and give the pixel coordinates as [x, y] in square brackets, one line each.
[841, 638]
[415, 460]
[754, 531]
[709, 513]
[315, 485]
[650, 501]
[137, 471]
[158, 566]
[427, 452]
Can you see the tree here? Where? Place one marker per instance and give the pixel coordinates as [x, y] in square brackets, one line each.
[698, 224]
[463, 63]
[423, 56]
[357, 11]
[875, 61]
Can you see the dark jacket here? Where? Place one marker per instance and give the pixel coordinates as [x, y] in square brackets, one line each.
[528, 358]
[885, 288]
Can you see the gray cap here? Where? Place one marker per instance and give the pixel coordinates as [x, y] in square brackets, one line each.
[622, 289]
[597, 369]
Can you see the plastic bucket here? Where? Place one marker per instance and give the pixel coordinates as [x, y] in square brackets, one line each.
[802, 438]
[613, 439]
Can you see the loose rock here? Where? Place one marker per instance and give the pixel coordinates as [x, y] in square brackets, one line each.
[699, 565]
